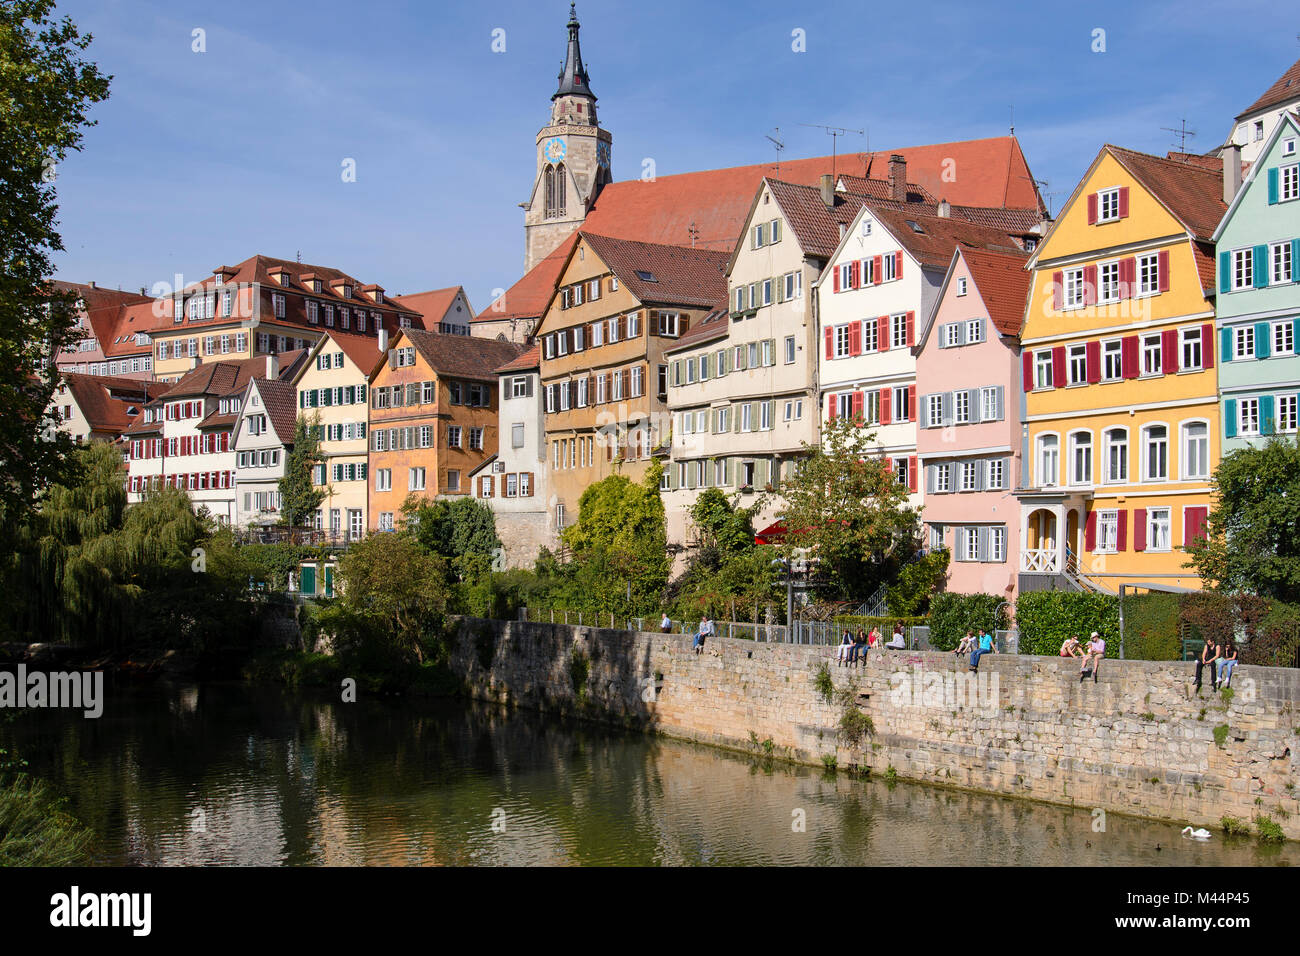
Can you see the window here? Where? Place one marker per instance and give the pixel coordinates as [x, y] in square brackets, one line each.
[1282, 265]
[1191, 349]
[767, 292]
[996, 474]
[453, 480]
[961, 285]
[476, 439]
[900, 404]
[898, 330]
[453, 431]
[1049, 460]
[1107, 531]
[1196, 450]
[1243, 339]
[668, 324]
[990, 403]
[793, 285]
[415, 479]
[997, 543]
[1286, 413]
[870, 333]
[1108, 282]
[383, 479]
[1158, 538]
[1043, 369]
[789, 349]
[942, 478]
[1152, 355]
[890, 268]
[841, 349]
[1108, 205]
[846, 276]
[1081, 458]
[934, 410]
[1283, 337]
[1117, 455]
[1155, 453]
[597, 334]
[1112, 364]
[1073, 295]
[277, 304]
[1243, 275]
[1078, 365]
[970, 541]
[969, 475]
[961, 407]
[1248, 416]
[1289, 182]
[633, 324]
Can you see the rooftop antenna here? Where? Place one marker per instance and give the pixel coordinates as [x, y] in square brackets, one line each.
[693, 231]
[834, 132]
[1013, 119]
[1182, 132]
[778, 145]
[299, 256]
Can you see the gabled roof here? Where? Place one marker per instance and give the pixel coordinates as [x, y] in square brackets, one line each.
[1288, 121]
[110, 403]
[1192, 193]
[656, 273]
[531, 295]
[1003, 283]
[1284, 90]
[939, 236]
[880, 189]
[361, 350]
[216, 378]
[709, 329]
[131, 320]
[461, 356]
[433, 305]
[814, 224]
[280, 399]
[532, 359]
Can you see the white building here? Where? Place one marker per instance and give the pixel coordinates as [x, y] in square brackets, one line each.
[263, 436]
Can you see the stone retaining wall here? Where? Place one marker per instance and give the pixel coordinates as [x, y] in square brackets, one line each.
[1138, 741]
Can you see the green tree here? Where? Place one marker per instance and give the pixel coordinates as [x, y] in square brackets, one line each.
[461, 531]
[1253, 544]
[46, 89]
[727, 574]
[393, 594]
[849, 511]
[299, 496]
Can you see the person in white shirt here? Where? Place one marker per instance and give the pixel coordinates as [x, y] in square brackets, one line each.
[1092, 659]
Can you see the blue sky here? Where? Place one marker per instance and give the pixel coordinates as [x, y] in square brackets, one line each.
[203, 159]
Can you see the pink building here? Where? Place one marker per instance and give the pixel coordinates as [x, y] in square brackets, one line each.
[970, 404]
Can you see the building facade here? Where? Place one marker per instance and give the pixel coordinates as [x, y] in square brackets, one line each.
[1118, 363]
[1254, 126]
[262, 438]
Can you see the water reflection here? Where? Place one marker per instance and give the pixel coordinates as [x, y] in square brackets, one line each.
[227, 774]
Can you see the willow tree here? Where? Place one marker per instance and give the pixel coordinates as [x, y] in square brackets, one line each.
[46, 90]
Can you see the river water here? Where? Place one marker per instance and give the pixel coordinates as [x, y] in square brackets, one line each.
[232, 774]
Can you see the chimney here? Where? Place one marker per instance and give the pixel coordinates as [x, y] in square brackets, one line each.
[828, 190]
[1231, 171]
[945, 209]
[383, 340]
[92, 283]
[272, 366]
[898, 177]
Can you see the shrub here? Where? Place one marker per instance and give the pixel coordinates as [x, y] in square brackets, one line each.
[1151, 627]
[1234, 826]
[1268, 829]
[823, 683]
[917, 582]
[35, 830]
[952, 615]
[1047, 618]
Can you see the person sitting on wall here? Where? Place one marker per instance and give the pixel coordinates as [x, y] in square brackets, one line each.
[1227, 663]
[897, 642]
[1207, 658]
[706, 629]
[859, 650]
[985, 647]
[842, 652]
[966, 646]
[1071, 647]
[666, 625]
[1092, 659]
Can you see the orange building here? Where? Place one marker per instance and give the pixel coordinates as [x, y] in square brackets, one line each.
[433, 418]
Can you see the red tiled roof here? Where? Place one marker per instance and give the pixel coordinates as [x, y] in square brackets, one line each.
[880, 189]
[1285, 89]
[1191, 192]
[989, 172]
[280, 399]
[656, 273]
[1203, 252]
[712, 326]
[815, 225]
[526, 362]
[433, 305]
[529, 297]
[940, 236]
[1205, 161]
[106, 401]
[462, 356]
[362, 350]
[1003, 284]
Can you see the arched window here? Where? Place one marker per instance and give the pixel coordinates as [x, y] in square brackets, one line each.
[548, 177]
[1196, 450]
[1049, 460]
[1155, 453]
[1081, 458]
[560, 190]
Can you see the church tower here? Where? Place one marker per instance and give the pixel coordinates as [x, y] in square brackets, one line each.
[573, 159]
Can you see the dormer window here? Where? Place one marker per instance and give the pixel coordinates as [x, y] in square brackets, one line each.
[1288, 147]
[347, 292]
[284, 278]
[315, 285]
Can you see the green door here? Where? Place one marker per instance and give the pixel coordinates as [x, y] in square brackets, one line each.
[307, 584]
[329, 581]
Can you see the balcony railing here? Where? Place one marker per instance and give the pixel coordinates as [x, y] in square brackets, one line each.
[1040, 561]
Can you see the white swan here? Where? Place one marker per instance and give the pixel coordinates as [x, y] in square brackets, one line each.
[1201, 834]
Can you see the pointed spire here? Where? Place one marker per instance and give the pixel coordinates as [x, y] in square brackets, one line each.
[573, 78]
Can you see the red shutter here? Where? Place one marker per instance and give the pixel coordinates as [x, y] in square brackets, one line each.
[855, 274]
[1092, 362]
[1207, 346]
[884, 406]
[1129, 356]
[530, 484]
[831, 407]
[835, 278]
[911, 474]
[1027, 360]
[1121, 533]
[911, 405]
[830, 343]
[911, 329]
[882, 333]
[877, 270]
[1139, 529]
[1194, 520]
[855, 338]
[1162, 264]
[1130, 278]
[1090, 532]
[1169, 351]
[1058, 291]
[1092, 209]
[1089, 285]
[1123, 202]
[857, 406]
[1058, 367]
[898, 265]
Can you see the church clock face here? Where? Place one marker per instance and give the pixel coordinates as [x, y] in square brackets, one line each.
[602, 155]
[555, 149]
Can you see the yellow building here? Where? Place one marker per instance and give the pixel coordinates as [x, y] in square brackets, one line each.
[332, 393]
[1121, 426]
